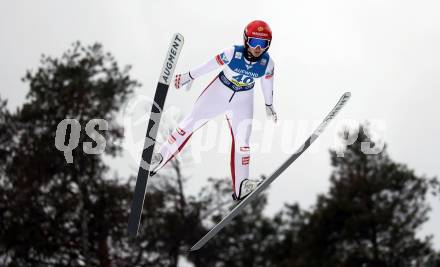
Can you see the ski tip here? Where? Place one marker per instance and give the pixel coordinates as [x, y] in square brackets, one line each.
[347, 94]
[132, 233]
[177, 34]
[194, 248]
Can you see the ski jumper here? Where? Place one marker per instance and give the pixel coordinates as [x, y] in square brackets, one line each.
[230, 93]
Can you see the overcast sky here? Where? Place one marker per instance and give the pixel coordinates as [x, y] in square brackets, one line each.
[385, 52]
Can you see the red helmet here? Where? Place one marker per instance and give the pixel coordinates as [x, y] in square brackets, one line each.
[257, 29]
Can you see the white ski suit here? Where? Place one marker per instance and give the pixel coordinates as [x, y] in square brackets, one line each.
[229, 93]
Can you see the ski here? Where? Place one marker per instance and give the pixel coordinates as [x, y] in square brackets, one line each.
[165, 78]
[231, 215]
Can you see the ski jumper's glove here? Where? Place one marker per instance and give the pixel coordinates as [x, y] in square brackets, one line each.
[270, 112]
[183, 80]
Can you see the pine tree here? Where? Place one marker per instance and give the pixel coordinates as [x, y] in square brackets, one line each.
[55, 213]
[370, 215]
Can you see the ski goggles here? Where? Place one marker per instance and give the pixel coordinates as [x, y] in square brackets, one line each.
[254, 42]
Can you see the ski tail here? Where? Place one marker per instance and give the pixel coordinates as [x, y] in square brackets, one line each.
[228, 218]
[165, 78]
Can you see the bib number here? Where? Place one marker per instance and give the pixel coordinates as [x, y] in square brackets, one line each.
[243, 79]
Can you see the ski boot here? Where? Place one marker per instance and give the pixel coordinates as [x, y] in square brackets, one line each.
[247, 186]
[155, 163]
